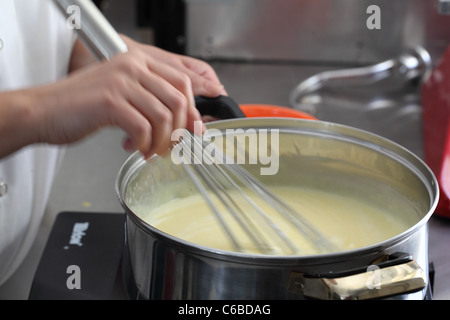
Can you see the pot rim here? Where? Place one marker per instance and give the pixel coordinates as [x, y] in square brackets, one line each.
[394, 149]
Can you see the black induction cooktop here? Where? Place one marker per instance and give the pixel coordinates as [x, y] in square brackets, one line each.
[82, 258]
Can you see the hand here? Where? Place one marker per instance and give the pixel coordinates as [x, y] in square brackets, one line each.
[147, 92]
[202, 76]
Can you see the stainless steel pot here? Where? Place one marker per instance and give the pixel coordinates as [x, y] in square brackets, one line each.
[319, 154]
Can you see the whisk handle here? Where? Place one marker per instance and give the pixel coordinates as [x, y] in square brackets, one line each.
[221, 107]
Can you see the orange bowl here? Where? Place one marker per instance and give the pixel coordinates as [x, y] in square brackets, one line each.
[266, 110]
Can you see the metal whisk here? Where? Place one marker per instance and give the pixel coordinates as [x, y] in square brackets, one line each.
[226, 181]
[105, 42]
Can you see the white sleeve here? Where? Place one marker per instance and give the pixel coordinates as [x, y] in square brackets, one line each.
[36, 49]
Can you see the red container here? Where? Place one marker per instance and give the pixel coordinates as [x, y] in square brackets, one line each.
[266, 110]
[436, 125]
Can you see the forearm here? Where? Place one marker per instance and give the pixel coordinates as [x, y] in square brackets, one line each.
[16, 121]
[19, 124]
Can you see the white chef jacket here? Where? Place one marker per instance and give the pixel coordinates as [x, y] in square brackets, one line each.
[35, 48]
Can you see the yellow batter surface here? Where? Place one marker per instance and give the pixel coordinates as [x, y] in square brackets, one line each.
[347, 223]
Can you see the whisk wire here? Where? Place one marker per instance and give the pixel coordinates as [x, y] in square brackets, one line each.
[243, 217]
[284, 209]
[219, 180]
[212, 182]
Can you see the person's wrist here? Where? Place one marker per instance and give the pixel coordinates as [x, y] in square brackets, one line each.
[28, 115]
[16, 128]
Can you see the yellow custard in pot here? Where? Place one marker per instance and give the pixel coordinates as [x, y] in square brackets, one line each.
[347, 223]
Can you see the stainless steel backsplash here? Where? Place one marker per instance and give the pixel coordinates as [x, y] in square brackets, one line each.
[321, 31]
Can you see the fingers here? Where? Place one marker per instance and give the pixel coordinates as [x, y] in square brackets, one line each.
[172, 87]
[207, 88]
[161, 120]
[137, 127]
[160, 91]
[202, 76]
[205, 81]
[174, 90]
[163, 96]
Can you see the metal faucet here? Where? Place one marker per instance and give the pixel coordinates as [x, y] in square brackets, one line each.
[413, 65]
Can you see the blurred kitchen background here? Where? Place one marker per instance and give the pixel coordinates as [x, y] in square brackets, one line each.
[262, 50]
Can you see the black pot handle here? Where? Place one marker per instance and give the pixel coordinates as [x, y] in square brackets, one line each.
[222, 107]
[393, 259]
